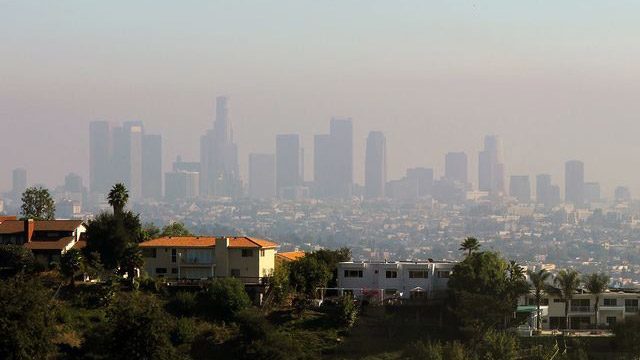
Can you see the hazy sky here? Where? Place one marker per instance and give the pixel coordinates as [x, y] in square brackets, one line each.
[556, 79]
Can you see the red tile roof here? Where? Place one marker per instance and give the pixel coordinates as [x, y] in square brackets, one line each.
[17, 226]
[291, 256]
[201, 241]
[5, 218]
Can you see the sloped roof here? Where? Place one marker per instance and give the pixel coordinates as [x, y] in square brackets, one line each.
[291, 256]
[49, 245]
[17, 226]
[203, 241]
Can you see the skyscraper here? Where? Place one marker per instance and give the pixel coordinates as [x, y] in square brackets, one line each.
[622, 194]
[219, 172]
[152, 166]
[520, 188]
[73, 183]
[19, 181]
[574, 182]
[289, 164]
[491, 166]
[100, 147]
[455, 167]
[543, 189]
[375, 167]
[333, 160]
[262, 176]
[591, 192]
[421, 179]
[127, 157]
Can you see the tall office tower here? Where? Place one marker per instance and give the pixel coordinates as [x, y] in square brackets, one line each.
[491, 167]
[188, 166]
[219, 172]
[420, 180]
[554, 196]
[262, 176]
[127, 157]
[455, 167]
[333, 160]
[622, 194]
[574, 182]
[591, 192]
[100, 148]
[520, 188]
[543, 189]
[152, 166]
[375, 166]
[289, 164]
[73, 183]
[19, 181]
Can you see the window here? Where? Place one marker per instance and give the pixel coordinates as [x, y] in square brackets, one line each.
[235, 272]
[174, 270]
[418, 274]
[149, 253]
[544, 302]
[390, 292]
[610, 302]
[161, 270]
[174, 255]
[247, 253]
[611, 320]
[443, 274]
[353, 273]
[262, 252]
[557, 300]
[391, 274]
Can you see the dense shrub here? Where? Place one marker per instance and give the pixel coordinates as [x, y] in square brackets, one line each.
[183, 303]
[223, 299]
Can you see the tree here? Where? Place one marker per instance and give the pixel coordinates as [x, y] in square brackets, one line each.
[131, 260]
[109, 236]
[71, 263]
[25, 320]
[37, 204]
[118, 198]
[470, 245]
[174, 230]
[596, 284]
[136, 327]
[331, 258]
[567, 282]
[499, 345]
[484, 293]
[15, 259]
[627, 336]
[150, 231]
[308, 274]
[224, 298]
[538, 281]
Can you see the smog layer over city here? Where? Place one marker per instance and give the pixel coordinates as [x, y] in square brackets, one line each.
[389, 164]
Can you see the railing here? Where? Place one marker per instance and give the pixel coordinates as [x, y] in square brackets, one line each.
[195, 261]
[631, 308]
[581, 309]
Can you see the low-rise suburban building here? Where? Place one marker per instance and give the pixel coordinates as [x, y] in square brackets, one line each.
[47, 239]
[400, 279]
[197, 257]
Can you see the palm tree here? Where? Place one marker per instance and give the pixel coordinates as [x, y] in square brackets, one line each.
[596, 284]
[470, 244]
[567, 282]
[70, 264]
[118, 197]
[538, 280]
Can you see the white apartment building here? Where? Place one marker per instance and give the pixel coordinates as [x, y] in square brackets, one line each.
[400, 279]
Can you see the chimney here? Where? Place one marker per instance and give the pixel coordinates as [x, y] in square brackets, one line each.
[29, 226]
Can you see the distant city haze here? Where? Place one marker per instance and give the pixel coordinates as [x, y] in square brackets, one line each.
[557, 81]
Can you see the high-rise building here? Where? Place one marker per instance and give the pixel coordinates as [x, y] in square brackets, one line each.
[591, 192]
[219, 172]
[455, 167]
[289, 164]
[262, 176]
[491, 167]
[622, 194]
[574, 182]
[152, 166]
[421, 179]
[19, 184]
[375, 167]
[100, 148]
[181, 185]
[73, 183]
[333, 160]
[127, 156]
[520, 188]
[188, 166]
[543, 190]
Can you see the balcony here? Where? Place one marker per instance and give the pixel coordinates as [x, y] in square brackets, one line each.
[195, 261]
[631, 308]
[581, 309]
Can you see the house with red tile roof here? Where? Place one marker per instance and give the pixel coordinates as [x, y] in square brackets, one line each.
[47, 239]
[200, 257]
